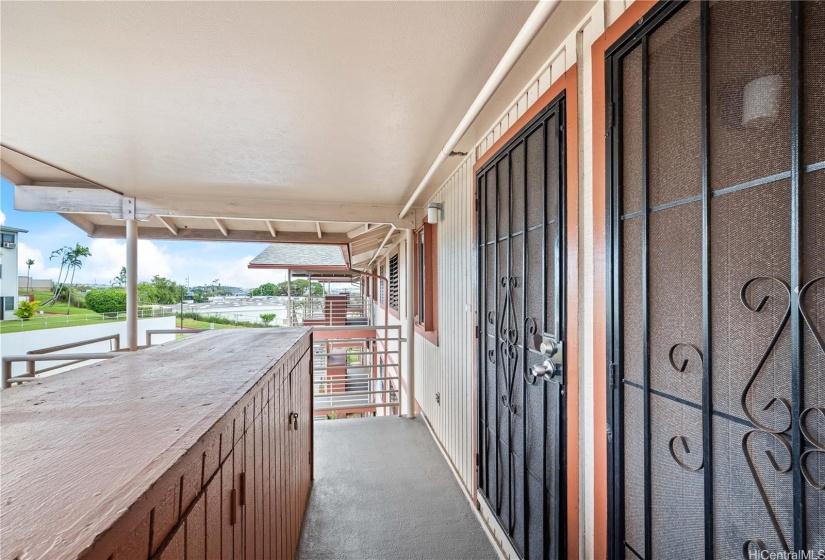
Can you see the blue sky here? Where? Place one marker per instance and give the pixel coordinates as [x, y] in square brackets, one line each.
[201, 262]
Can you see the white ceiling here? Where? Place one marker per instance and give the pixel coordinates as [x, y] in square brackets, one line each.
[310, 101]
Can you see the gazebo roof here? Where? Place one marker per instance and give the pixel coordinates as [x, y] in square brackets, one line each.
[298, 256]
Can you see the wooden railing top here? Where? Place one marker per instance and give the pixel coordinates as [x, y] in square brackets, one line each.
[79, 450]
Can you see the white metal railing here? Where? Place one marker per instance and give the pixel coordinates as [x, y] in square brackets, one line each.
[180, 331]
[356, 368]
[329, 311]
[51, 354]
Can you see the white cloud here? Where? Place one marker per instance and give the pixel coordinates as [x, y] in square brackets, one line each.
[42, 268]
[200, 262]
[109, 256]
[2, 218]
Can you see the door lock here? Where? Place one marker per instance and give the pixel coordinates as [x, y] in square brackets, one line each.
[549, 348]
[293, 419]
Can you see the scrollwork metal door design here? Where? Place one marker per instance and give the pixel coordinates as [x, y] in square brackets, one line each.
[520, 247]
[716, 168]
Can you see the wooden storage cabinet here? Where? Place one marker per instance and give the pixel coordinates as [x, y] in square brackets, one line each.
[239, 490]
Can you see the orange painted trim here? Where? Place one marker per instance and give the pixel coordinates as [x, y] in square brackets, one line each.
[571, 123]
[600, 253]
[430, 336]
[567, 83]
[560, 85]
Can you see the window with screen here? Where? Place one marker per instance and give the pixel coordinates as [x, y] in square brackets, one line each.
[382, 286]
[393, 299]
[425, 278]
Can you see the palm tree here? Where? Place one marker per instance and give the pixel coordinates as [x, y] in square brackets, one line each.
[63, 253]
[29, 263]
[76, 257]
[120, 279]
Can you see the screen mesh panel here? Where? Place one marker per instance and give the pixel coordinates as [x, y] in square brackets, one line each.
[813, 76]
[631, 111]
[718, 284]
[520, 191]
[813, 263]
[674, 102]
[749, 94]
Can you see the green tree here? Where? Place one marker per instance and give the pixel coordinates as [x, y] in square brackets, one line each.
[268, 289]
[300, 288]
[29, 263]
[267, 318]
[160, 290]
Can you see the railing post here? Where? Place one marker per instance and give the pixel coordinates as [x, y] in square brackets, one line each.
[6, 374]
[289, 296]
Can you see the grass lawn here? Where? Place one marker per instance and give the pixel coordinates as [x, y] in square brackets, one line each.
[58, 307]
[52, 322]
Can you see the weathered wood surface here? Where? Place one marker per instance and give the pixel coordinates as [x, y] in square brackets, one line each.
[93, 455]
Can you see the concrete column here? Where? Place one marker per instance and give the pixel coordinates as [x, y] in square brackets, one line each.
[131, 285]
[289, 296]
[410, 314]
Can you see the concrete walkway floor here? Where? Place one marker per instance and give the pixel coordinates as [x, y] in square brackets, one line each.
[383, 491]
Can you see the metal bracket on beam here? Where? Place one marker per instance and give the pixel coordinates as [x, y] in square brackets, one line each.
[127, 209]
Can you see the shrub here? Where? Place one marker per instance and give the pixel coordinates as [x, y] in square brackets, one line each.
[217, 319]
[268, 318]
[26, 309]
[109, 300]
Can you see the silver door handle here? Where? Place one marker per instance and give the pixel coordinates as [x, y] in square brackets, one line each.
[547, 369]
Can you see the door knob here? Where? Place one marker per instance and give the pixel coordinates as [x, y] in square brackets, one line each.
[547, 369]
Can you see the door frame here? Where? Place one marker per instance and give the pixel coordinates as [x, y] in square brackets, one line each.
[633, 18]
[566, 84]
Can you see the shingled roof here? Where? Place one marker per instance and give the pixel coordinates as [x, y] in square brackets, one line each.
[294, 255]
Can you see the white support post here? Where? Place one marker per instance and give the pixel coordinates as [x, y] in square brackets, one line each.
[131, 284]
[289, 296]
[410, 309]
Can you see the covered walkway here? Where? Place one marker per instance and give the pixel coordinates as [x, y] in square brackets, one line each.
[383, 490]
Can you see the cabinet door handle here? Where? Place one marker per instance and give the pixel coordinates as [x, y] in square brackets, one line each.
[242, 485]
[293, 418]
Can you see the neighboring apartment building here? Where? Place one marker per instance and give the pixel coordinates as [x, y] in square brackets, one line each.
[8, 271]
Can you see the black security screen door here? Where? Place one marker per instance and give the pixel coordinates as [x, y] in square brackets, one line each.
[521, 378]
[716, 158]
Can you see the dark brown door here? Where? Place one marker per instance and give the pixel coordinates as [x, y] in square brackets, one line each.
[717, 168]
[520, 249]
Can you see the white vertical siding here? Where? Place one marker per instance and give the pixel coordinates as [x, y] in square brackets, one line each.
[449, 368]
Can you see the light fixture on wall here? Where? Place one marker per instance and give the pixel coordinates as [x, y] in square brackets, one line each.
[761, 100]
[434, 210]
